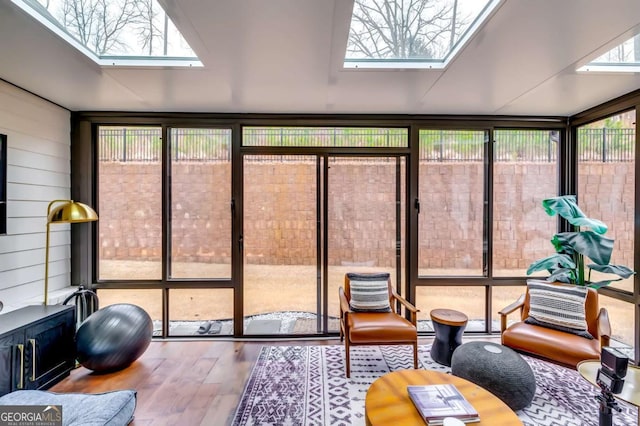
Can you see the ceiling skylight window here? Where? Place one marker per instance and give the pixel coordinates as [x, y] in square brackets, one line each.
[115, 32]
[622, 58]
[412, 33]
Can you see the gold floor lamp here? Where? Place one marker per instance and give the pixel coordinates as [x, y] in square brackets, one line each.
[64, 211]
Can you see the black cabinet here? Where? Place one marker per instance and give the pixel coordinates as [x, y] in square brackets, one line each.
[37, 347]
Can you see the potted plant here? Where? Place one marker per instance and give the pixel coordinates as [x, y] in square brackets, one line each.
[567, 264]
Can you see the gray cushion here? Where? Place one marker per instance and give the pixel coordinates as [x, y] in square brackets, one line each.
[558, 306]
[369, 292]
[110, 408]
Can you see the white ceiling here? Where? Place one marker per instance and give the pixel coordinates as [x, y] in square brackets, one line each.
[285, 56]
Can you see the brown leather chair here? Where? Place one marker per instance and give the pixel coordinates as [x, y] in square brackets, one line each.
[559, 346]
[377, 328]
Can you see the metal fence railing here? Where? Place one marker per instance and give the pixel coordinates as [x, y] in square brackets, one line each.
[354, 137]
[129, 144]
[606, 145]
[140, 144]
[452, 145]
[526, 145]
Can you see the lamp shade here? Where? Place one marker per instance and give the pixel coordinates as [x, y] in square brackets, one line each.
[64, 211]
[71, 212]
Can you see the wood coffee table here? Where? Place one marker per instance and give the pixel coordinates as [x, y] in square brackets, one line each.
[388, 403]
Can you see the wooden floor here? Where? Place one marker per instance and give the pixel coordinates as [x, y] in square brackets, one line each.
[182, 382]
[187, 382]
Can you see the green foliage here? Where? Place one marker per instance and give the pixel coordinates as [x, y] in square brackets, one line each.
[567, 264]
[135, 143]
[613, 123]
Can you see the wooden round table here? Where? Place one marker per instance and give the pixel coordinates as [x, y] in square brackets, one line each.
[388, 403]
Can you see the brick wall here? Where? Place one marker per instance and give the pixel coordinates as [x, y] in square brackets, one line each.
[280, 223]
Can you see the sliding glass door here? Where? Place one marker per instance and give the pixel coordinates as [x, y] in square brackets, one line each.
[366, 205]
[280, 244]
[294, 258]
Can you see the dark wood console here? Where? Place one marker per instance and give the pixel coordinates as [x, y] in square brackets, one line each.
[37, 347]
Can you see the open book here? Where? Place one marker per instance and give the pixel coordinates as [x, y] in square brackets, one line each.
[435, 402]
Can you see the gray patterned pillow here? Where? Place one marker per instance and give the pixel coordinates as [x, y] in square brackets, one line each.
[558, 306]
[369, 292]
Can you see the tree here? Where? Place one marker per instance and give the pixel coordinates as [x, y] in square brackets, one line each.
[99, 24]
[148, 30]
[110, 27]
[403, 29]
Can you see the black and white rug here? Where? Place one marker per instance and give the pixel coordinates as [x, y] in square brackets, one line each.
[306, 385]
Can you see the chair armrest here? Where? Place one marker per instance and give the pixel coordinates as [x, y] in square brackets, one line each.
[518, 304]
[408, 306]
[344, 303]
[604, 327]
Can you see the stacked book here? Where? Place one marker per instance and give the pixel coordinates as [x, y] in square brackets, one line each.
[437, 402]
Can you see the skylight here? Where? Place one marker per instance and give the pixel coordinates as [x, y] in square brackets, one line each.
[412, 33]
[622, 58]
[115, 32]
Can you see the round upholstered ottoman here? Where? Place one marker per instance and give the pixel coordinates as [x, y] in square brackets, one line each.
[498, 369]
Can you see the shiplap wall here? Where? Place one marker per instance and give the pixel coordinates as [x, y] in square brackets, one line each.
[38, 156]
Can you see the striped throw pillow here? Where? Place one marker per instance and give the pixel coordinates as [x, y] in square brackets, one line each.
[369, 292]
[558, 306]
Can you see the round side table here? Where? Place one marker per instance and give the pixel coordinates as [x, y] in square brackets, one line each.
[448, 325]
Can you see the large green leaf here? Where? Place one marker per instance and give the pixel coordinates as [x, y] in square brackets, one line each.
[604, 283]
[567, 207]
[619, 270]
[552, 263]
[564, 275]
[594, 246]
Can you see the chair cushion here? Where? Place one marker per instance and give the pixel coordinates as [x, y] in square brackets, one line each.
[560, 307]
[564, 348]
[369, 292]
[110, 408]
[380, 328]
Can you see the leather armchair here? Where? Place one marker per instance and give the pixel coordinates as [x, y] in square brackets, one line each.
[377, 328]
[559, 346]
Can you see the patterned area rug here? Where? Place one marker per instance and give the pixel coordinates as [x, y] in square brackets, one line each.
[305, 385]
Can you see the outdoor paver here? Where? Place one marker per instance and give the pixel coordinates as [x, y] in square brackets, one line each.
[263, 327]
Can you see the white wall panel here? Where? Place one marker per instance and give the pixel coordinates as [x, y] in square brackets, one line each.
[39, 177]
[27, 208]
[38, 136]
[33, 241]
[31, 115]
[49, 146]
[16, 191]
[31, 160]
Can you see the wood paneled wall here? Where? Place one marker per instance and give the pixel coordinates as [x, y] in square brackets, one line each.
[38, 155]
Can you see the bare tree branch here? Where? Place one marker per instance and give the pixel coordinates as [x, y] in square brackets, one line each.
[403, 29]
[100, 24]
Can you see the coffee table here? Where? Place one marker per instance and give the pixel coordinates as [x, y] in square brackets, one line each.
[388, 403]
[631, 389]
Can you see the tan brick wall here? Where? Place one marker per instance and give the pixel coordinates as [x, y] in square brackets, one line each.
[280, 223]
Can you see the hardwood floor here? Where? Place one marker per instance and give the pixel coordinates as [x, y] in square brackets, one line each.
[182, 382]
[188, 382]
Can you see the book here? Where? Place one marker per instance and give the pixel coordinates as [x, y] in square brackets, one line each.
[435, 402]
